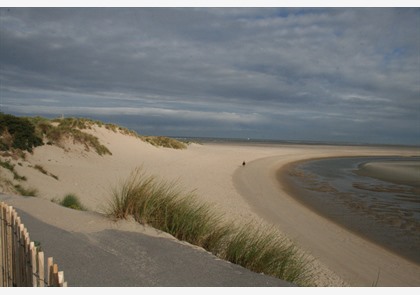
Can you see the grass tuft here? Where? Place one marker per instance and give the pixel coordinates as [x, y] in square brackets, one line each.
[29, 192]
[43, 171]
[73, 202]
[164, 206]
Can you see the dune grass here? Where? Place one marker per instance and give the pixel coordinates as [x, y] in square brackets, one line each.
[262, 250]
[164, 206]
[163, 141]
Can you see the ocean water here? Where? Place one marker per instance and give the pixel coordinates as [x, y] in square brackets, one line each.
[253, 141]
[383, 212]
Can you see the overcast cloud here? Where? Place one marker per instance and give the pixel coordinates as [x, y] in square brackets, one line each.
[296, 74]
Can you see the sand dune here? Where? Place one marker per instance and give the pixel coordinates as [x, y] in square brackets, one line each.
[212, 171]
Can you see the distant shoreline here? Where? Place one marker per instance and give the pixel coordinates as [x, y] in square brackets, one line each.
[276, 142]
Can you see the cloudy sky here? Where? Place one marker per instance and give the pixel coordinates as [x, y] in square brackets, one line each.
[323, 74]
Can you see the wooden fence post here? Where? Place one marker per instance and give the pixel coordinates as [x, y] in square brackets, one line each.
[32, 252]
[2, 246]
[9, 247]
[41, 269]
[50, 263]
[22, 261]
[14, 247]
[54, 276]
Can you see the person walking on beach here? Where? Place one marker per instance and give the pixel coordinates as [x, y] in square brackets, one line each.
[243, 163]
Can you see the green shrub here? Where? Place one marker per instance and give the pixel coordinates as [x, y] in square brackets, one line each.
[72, 201]
[21, 131]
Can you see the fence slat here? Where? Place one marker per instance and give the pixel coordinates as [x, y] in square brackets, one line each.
[54, 276]
[28, 265]
[50, 263]
[14, 249]
[60, 278]
[41, 268]
[9, 247]
[34, 264]
[22, 260]
[2, 223]
[2, 245]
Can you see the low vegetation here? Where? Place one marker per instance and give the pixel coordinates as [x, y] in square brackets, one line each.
[164, 206]
[69, 128]
[164, 142]
[43, 171]
[72, 201]
[29, 192]
[17, 133]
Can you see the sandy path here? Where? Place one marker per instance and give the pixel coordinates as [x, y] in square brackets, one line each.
[356, 260]
[94, 251]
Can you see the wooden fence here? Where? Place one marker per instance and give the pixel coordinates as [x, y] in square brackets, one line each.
[22, 263]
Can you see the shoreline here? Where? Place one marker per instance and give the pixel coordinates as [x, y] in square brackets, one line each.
[354, 258]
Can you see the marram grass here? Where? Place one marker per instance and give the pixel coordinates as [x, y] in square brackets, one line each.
[164, 206]
[262, 250]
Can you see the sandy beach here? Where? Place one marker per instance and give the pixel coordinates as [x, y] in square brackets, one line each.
[243, 193]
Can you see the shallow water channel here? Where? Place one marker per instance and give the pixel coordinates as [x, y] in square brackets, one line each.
[386, 213]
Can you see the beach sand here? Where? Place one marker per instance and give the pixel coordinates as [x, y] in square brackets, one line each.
[243, 193]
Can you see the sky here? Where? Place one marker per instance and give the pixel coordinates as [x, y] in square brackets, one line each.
[316, 74]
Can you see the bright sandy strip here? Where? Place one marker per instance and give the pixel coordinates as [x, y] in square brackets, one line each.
[395, 171]
[254, 195]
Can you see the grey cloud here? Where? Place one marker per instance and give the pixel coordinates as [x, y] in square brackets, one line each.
[299, 65]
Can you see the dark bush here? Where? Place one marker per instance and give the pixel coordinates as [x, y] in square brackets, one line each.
[21, 131]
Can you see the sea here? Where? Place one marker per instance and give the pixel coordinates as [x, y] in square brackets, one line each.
[267, 142]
